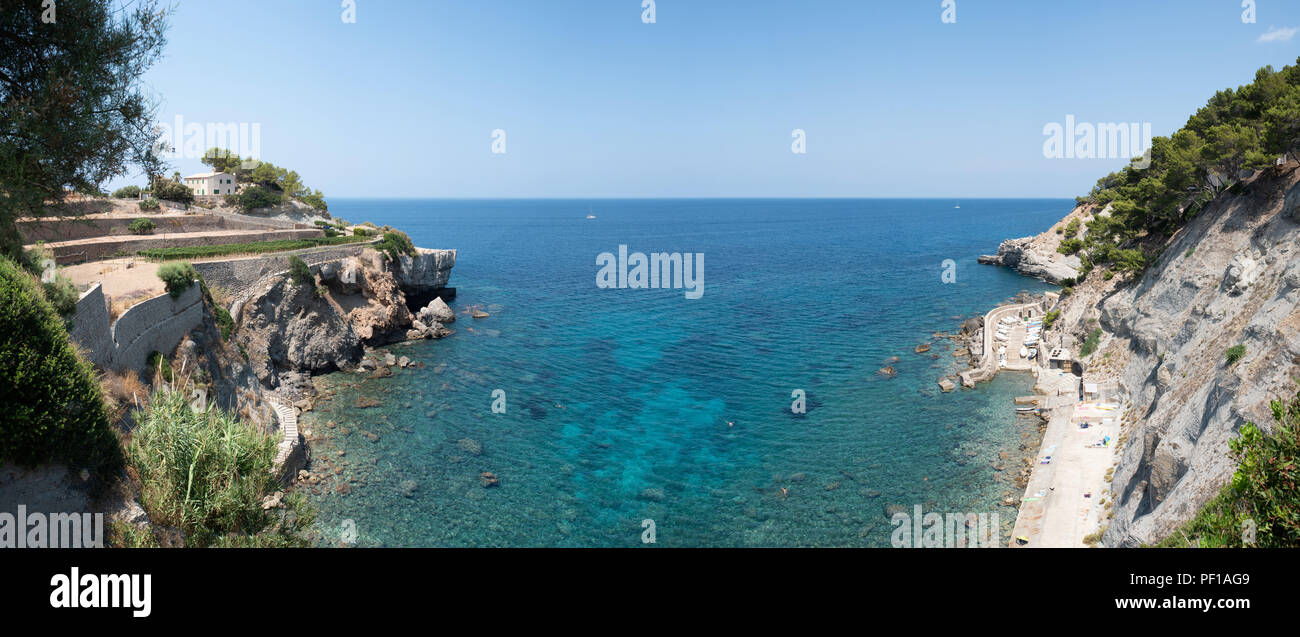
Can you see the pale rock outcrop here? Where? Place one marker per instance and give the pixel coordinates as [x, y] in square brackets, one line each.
[1243, 270]
[428, 270]
[437, 311]
[1030, 260]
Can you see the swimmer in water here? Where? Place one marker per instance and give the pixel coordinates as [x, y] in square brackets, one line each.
[731, 423]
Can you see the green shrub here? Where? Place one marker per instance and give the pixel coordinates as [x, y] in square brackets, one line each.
[361, 232]
[1234, 354]
[177, 277]
[158, 364]
[127, 192]
[255, 197]
[1264, 491]
[1072, 229]
[1090, 343]
[142, 226]
[149, 205]
[53, 410]
[205, 473]
[169, 190]
[1050, 318]
[396, 243]
[63, 295]
[321, 223]
[224, 321]
[1070, 246]
[314, 199]
[300, 272]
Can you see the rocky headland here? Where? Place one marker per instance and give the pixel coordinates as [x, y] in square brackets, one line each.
[1229, 277]
[290, 329]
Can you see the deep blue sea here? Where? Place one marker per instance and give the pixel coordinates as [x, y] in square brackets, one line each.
[618, 400]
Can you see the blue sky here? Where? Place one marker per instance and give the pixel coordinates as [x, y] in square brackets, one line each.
[596, 103]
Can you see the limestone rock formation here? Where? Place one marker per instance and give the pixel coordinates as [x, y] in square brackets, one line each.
[1029, 259]
[437, 312]
[1230, 277]
[288, 328]
[427, 271]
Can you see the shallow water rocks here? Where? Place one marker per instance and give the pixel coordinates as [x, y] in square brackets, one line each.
[408, 488]
[470, 446]
[652, 494]
[946, 385]
[888, 372]
[437, 312]
[489, 479]
[480, 314]
[922, 348]
[421, 330]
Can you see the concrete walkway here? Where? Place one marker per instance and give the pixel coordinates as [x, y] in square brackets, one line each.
[289, 429]
[989, 363]
[1054, 511]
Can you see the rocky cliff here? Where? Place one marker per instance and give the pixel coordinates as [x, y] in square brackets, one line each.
[1038, 256]
[1230, 277]
[290, 329]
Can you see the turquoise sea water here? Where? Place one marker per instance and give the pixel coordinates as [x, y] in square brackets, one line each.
[618, 401]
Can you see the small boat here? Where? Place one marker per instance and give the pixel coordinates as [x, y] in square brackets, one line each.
[589, 215]
[1026, 409]
[1024, 352]
[1033, 353]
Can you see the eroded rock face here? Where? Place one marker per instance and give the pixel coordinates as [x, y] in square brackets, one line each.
[427, 271]
[290, 328]
[1243, 270]
[287, 328]
[1029, 259]
[1230, 277]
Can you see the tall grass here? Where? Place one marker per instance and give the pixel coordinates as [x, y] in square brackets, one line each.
[205, 473]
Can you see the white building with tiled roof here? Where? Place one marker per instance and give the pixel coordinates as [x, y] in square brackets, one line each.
[204, 184]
